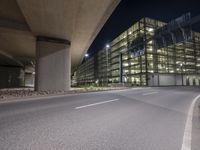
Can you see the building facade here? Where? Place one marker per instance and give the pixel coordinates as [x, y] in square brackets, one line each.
[85, 73]
[176, 64]
[93, 70]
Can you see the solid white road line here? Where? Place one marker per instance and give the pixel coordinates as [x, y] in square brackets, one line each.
[187, 137]
[149, 93]
[89, 105]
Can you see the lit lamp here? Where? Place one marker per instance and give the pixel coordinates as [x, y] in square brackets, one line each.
[107, 46]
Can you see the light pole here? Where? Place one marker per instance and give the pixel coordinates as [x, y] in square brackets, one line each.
[120, 67]
[86, 68]
[107, 48]
[181, 73]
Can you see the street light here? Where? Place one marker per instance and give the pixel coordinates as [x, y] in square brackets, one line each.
[107, 48]
[86, 55]
[181, 65]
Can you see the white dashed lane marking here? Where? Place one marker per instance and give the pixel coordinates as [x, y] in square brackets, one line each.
[94, 104]
[150, 93]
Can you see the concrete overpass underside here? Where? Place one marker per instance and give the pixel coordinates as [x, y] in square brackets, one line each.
[50, 35]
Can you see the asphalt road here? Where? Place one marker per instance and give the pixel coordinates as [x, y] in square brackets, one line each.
[133, 119]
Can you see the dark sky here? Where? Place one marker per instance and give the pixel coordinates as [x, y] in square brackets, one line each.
[130, 11]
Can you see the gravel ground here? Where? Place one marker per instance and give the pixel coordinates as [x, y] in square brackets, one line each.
[23, 92]
[12, 94]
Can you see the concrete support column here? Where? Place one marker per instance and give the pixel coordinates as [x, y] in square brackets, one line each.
[53, 64]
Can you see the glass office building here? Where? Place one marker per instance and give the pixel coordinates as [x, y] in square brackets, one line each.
[176, 64]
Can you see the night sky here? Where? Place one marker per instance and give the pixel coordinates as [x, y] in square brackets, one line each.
[130, 11]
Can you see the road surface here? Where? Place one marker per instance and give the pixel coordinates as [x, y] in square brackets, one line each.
[132, 119]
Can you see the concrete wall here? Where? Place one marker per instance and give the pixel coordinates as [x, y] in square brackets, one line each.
[172, 79]
[29, 80]
[153, 80]
[11, 77]
[179, 80]
[192, 80]
[167, 79]
[197, 81]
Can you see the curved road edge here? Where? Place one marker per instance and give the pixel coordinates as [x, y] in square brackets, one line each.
[195, 145]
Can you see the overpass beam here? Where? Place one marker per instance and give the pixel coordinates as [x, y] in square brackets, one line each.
[53, 64]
